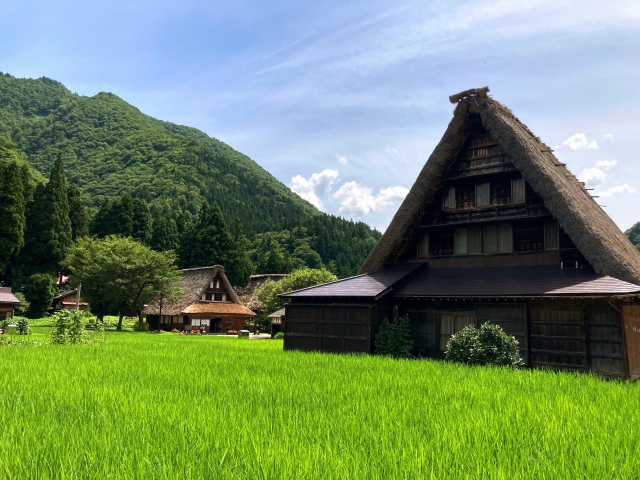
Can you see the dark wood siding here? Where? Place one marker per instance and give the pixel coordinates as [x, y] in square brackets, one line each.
[632, 339]
[330, 328]
[507, 260]
[511, 318]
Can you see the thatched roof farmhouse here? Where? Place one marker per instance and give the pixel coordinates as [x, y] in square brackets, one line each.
[495, 228]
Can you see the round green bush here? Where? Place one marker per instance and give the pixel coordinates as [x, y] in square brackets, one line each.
[22, 325]
[279, 336]
[487, 345]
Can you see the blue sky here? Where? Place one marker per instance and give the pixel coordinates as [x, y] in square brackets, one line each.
[344, 101]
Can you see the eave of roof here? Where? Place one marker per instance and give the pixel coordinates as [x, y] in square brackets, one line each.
[217, 308]
[513, 282]
[365, 285]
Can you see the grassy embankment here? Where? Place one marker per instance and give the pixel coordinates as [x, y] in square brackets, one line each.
[170, 406]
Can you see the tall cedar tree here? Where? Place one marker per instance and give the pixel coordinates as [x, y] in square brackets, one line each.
[141, 221]
[12, 212]
[48, 235]
[212, 240]
[122, 213]
[238, 267]
[103, 222]
[165, 234]
[77, 213]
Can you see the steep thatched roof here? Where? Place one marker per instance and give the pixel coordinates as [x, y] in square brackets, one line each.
[594, 233]
[193, 282]
[247, 295]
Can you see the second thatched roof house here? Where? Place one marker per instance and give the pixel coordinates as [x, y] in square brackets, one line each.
[208, 304]
[495, 228]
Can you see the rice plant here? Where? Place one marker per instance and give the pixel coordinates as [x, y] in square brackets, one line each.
[175, 406]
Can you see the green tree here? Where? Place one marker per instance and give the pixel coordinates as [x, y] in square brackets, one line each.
[394, 339]
[122, 272]
[59, 222]
[12, 213]
[77, 213]
[23, 307]
[212, 240]
[122, 213]
[39, 290]
[303, 278]
[103, 222]
[238, 266]
[165, 234]
[141, 221]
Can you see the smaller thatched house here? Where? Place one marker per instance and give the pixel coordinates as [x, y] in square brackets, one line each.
[247, 295]
[8, 301]
[66, 300]
[208, 304]
[276, 321]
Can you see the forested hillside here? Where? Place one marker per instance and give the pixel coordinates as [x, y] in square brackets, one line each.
[111, 149]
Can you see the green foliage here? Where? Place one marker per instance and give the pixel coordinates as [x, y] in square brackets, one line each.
[303, 278]
[394, 339]
[22, 325]
[39, 290]
[23, 307]
[165, 234]
[69, 328]
[279, 336]
[141, 327]
[633, 234]
[121, 273]
[111, 150]
[77, 213]
[488, 345]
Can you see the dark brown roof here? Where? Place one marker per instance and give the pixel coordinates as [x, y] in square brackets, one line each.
[594, 233]
[193, 281]
[64, 294]
[369, 285]
[512, 281]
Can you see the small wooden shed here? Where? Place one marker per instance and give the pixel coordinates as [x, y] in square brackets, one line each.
[8, 301]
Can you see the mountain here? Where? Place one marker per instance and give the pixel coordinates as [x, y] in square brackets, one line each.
[111, 148]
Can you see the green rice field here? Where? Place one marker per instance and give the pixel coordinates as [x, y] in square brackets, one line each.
[170, 406]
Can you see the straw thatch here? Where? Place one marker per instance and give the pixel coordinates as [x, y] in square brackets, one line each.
[593, 232]
[247, 295]
[218, 308]
[193, 282]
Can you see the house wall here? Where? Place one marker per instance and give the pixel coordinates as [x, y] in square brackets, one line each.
[6, 311]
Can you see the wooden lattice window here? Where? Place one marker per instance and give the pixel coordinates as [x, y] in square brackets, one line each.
[441, 245]
[465, 197]
[501, 193]
[529, 237]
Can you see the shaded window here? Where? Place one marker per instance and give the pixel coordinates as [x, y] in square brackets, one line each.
[551, 235]
[517, 190]
[423, 244]
[449, 198]
[465, 196]
[529, 237]
[440, 245]
[501, 193]
[483, 194]
[468, 240]
[498, 238]
[453, 323]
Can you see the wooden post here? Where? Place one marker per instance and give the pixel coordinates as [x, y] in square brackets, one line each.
[78, 296]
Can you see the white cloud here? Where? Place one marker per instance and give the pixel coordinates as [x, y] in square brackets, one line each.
[342, 159]
[391, 150]
[617, 191]
[609, 136]
[592, 176]
[579, 141]
[357, 200]
[317, 184]
[606, 164]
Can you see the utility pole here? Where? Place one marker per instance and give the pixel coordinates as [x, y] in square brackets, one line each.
[78, 296]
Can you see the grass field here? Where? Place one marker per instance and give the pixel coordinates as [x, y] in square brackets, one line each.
[171, 406]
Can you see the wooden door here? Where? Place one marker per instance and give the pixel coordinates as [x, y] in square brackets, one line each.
[631, 319]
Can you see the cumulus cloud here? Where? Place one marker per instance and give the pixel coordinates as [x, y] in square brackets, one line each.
[609, 136]
[342, 159]
[606, 164]
[357, 200]
[317, 184]
[592, 176]
[617, 191]
[579, 141]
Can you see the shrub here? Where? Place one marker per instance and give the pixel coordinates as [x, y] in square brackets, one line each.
[279, 336]
[22, 325]
[488, 345]
[69, 328]
[394, 339]
[4, 326]
[39, 290]
[23, 307]
[141, 327]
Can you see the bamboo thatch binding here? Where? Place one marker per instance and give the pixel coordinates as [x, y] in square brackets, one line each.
[591, 229]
